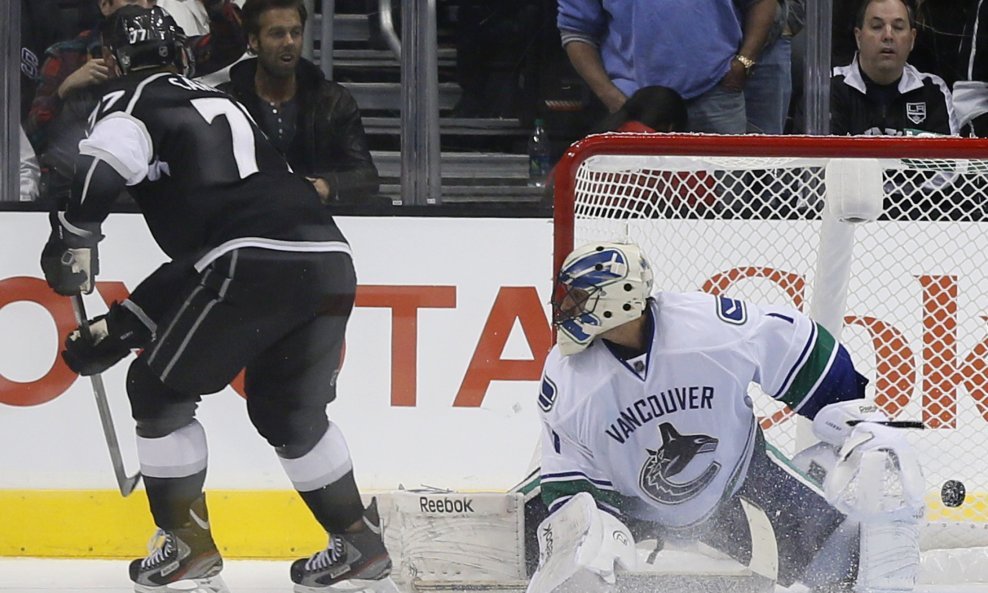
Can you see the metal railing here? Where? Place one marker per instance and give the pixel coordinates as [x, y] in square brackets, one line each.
[388, 27]
[817, 75]
[10, 94]
[419, 101]
[420, 152]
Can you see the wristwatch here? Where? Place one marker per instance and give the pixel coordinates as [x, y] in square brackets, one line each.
[747, 62]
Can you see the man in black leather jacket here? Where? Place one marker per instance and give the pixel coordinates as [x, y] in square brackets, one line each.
[314, 122]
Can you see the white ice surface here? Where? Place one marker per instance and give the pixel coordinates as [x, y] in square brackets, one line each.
[28, 575]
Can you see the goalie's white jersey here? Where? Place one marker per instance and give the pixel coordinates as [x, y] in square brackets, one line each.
[668, 435]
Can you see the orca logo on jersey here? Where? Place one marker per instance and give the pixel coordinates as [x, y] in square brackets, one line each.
[676, 452]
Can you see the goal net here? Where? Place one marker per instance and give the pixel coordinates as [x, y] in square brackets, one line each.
[752, 217]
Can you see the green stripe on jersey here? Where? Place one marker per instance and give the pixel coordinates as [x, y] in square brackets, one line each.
[816, 366]
[553, 490]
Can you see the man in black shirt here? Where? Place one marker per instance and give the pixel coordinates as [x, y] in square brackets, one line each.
[314, 122]
[878, 93]
[260, 278]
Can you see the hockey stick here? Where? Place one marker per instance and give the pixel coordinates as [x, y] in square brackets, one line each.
[124, 482]
[893, 423]
[764, 547]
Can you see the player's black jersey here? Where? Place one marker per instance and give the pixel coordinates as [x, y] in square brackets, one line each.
[201, 171]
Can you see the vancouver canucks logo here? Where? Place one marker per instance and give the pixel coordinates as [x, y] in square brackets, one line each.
[733, 311]
[672, 457]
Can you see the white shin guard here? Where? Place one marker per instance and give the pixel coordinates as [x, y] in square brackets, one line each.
[328, 461]
[176, 455]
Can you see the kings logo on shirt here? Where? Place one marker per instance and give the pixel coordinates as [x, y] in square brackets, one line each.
[916, 112]
[676, 452]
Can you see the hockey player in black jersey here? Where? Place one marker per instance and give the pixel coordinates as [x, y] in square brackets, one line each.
[260, 278]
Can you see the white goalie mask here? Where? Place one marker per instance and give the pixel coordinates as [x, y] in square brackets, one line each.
[600, 286]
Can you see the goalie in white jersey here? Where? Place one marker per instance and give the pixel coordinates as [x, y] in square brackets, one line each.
[645, 407]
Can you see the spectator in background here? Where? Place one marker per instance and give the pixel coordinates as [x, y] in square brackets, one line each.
[649, 109]
[702, 49]
[66, 95]
[314, 122]
[37, 33]
[193, 18]
[493, 43]
[971, 88]
[768, 91]
[29, 172]
[795, 22]
[941, 27]
[190, 15]
[842, 48]
[878, 93]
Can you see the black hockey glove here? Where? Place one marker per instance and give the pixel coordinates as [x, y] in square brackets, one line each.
[70, 259]
[113, 335]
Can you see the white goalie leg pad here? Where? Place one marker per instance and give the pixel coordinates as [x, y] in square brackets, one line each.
[581, 547]
[453, 540]
[889, 558]
[878, 482]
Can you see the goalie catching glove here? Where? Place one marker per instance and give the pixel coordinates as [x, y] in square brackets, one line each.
[111, 337]
[834, 423]
[70, 259]
[862, 444]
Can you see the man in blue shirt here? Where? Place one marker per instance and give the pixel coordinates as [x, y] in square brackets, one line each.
[702, 49]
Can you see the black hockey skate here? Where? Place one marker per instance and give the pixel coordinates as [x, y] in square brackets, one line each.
[352, 561]
[184, 559]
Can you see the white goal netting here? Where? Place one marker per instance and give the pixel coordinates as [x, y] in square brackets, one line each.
[908, 292]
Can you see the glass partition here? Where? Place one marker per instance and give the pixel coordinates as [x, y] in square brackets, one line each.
[10, 136]
[449, 90]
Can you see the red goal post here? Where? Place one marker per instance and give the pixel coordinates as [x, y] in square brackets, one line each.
[752, 216]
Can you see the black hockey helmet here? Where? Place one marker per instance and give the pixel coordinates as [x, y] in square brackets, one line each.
[144, 38]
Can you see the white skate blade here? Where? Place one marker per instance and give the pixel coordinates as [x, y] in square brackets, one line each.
[208, 585]
[385, 585]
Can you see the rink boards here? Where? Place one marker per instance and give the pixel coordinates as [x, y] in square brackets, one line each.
[443, 355]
